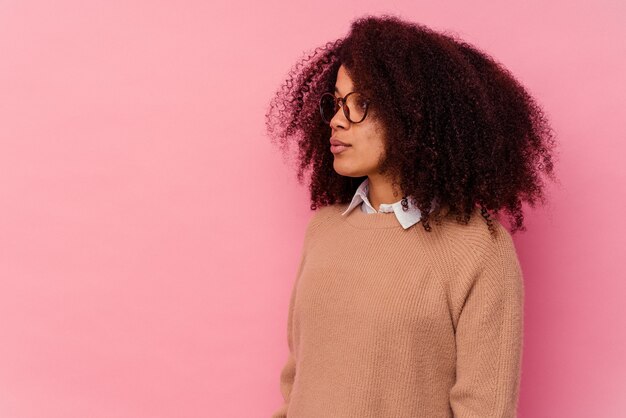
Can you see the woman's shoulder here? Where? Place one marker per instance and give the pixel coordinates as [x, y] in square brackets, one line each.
[463, 253]
[474, 242]
[325, 214]
[322, 217]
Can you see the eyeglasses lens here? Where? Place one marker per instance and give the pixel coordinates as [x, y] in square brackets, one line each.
[354, 110]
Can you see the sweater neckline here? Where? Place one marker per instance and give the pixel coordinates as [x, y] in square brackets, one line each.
[362, 220]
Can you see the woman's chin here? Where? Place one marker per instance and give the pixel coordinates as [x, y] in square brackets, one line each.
[345, 170]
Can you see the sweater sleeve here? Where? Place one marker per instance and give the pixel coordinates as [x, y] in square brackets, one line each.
[288, 372]
[489, 335]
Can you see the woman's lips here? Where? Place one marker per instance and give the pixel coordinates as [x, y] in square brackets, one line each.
[336, 149]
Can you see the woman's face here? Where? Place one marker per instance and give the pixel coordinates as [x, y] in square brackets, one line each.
[365, 138]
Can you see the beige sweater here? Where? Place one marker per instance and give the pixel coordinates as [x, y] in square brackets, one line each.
[387, 322]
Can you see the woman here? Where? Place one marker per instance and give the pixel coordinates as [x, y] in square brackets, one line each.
[390, 315]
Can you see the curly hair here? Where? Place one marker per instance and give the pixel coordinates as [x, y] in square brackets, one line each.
[457, 125]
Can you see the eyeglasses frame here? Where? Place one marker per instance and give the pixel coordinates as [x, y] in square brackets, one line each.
[340, 102]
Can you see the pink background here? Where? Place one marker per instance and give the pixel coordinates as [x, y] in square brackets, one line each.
[151, 232]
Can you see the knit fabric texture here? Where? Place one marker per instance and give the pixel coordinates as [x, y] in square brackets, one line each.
[387, 322]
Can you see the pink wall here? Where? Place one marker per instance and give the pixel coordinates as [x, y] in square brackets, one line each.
[151, 233]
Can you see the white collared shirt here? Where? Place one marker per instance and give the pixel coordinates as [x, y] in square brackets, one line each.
[406, 218]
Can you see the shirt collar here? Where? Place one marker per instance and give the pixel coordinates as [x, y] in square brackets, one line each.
[406, 218]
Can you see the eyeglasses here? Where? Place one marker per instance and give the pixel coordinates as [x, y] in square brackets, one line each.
[354, 106]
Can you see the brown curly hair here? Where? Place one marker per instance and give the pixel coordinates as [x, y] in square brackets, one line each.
[458, 126]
